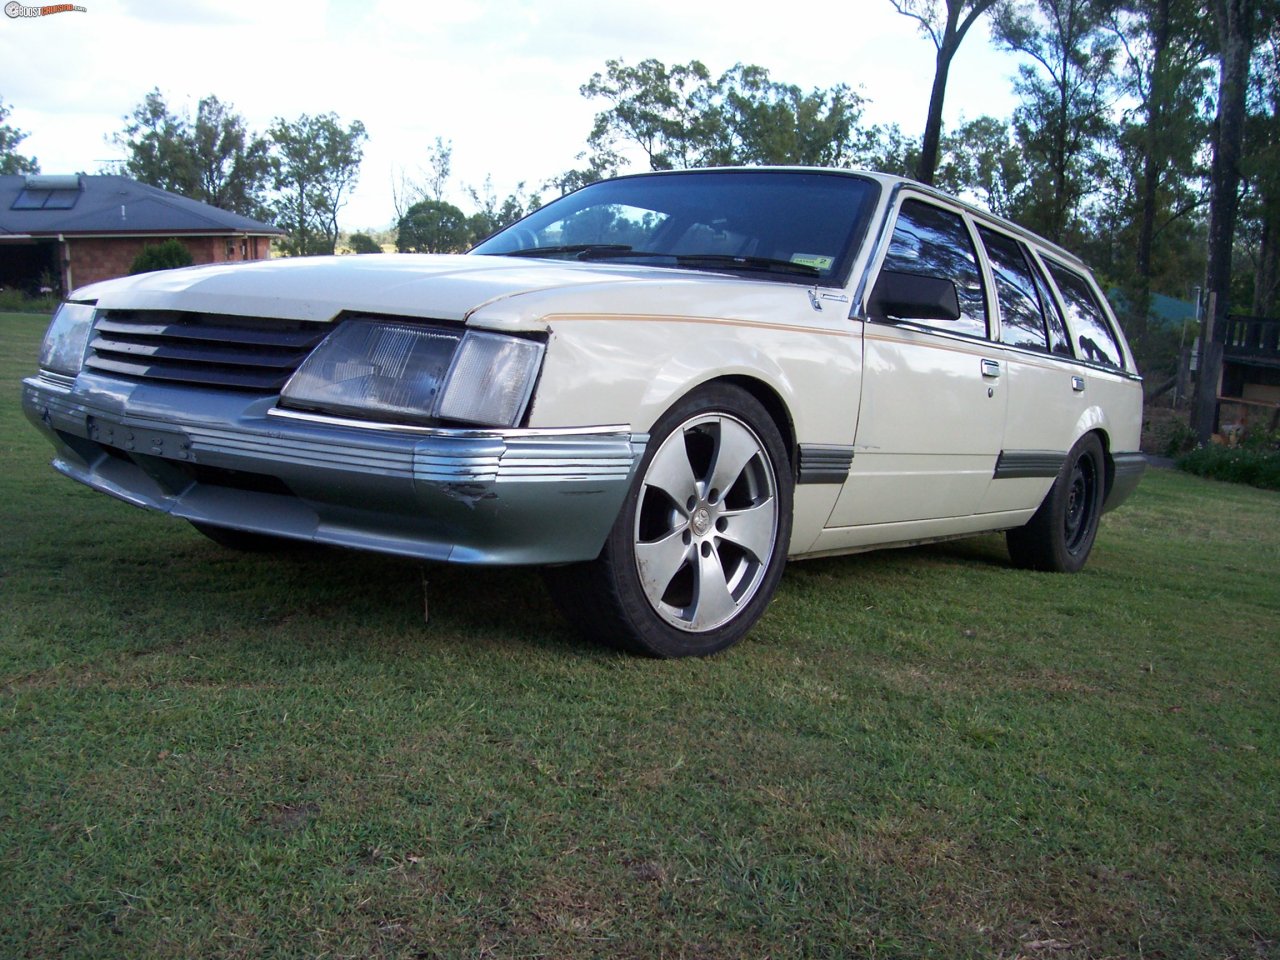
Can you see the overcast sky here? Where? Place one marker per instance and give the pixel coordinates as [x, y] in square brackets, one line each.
[498, 78]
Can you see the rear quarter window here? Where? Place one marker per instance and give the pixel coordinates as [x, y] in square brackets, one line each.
[1093, 337]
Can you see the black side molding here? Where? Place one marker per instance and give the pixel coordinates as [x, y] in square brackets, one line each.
[1020, 464]
[824, 463]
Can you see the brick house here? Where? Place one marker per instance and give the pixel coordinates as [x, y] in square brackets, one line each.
[64, 232]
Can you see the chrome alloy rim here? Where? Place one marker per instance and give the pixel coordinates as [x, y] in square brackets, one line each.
[707, 522]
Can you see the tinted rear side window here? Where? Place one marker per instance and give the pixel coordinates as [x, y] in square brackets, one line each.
[1021, 314]
[1059, 339]
[1094, 340]
[931, 242]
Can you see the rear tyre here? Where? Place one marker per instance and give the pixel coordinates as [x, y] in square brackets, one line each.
[1060, 535]
[700, 543]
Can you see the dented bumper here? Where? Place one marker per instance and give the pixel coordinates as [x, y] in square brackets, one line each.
[464, 496]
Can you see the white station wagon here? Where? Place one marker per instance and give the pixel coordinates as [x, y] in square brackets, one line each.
[660, 387]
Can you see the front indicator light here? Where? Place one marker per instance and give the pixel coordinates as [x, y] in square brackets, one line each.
[491, 379]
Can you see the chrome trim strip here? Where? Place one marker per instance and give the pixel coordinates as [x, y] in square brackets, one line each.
[60, 380]
[465, 433]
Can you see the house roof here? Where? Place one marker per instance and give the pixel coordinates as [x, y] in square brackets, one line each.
[32, 205]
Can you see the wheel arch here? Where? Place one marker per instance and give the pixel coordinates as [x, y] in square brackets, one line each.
[773, 404]
[1095, 421]
[1108, 462]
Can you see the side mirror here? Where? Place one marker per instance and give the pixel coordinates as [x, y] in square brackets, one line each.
[910, 297]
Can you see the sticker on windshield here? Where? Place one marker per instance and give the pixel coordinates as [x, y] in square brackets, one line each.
[812, 260]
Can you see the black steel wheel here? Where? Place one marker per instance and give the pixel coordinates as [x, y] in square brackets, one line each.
[1060, 535]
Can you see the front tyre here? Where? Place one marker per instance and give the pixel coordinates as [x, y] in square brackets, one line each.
[1060, 535]
[701, 540]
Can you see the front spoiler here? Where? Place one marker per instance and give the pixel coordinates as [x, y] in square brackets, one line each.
[462, 496]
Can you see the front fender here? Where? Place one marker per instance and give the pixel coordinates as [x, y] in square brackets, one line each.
[630, 371]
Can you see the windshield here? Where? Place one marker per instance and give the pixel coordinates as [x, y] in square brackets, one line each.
[779, 224]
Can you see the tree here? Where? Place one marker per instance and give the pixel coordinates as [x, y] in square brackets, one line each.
[10, 160]
[155, 140]
[679, 117]
[315, 164]
[665, 111]
[408, 192]
[599, 166]
[1063, 115]
[761, 121]
[947, 33]
[1148, 221]
[1260, 166]
[213, 158]
[981, 159]
[231, 164]
[433, 226]
[1233, 21]
[1165, 52]
[885, 147]
[492, 215]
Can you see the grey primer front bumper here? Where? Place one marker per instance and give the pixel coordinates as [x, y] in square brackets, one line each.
[464, 496]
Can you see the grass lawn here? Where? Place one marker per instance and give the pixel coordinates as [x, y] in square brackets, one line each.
[919, 753]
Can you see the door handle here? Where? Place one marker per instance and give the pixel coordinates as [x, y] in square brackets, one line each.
[991, 368]
[1077, 384]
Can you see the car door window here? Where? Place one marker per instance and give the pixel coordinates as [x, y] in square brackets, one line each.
[1022, 321]
[1094, 340]
[931, 242]
[1059, 339]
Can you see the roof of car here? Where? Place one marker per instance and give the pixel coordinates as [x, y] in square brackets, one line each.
[35, 205]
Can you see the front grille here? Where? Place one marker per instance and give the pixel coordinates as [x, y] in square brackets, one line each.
[239, 353]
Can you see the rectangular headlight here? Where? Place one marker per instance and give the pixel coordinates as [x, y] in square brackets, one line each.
[490, 380]
[67, 339]
[371, 369]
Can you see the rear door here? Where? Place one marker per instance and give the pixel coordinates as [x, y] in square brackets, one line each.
[1046, 390]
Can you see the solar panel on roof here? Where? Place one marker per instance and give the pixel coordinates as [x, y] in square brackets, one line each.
[38, 199]
[30, 200]
[61, 199]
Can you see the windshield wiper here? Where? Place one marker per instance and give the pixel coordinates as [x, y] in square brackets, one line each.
[621, 251]
[761, 264]
[723, 260]
[591, 248]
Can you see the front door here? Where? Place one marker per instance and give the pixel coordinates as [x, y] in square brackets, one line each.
[933, 391]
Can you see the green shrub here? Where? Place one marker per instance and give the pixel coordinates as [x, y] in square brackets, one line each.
[162, 256]
[363, 243]
[1256, 464]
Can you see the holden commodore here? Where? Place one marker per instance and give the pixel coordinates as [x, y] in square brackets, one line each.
[659, 387]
